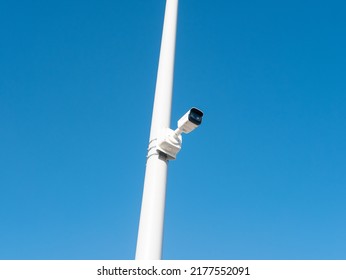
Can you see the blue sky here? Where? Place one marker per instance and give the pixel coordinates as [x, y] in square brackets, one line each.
[264, 177]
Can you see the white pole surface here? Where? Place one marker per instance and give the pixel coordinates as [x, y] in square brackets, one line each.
[150, 232]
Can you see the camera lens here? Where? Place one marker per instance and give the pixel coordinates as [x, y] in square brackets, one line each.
[195, 116]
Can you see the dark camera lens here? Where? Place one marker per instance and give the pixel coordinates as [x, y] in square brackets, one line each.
[195, 116]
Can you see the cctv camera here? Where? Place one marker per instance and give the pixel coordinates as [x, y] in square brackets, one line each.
[189, 121]
[169, 141]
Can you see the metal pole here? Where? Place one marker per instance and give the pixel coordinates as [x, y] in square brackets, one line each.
[150, 232]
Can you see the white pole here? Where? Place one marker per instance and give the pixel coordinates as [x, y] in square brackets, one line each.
[150, 232]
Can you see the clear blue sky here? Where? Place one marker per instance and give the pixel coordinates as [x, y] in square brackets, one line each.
[264, 177]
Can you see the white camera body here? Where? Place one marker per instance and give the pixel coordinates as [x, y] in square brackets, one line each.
[169, 141]
[191, 120]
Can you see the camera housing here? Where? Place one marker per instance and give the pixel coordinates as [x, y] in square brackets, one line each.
[169, 141]
[191, 120]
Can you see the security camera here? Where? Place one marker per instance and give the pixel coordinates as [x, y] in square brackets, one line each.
[170, 141]
[191, 120]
